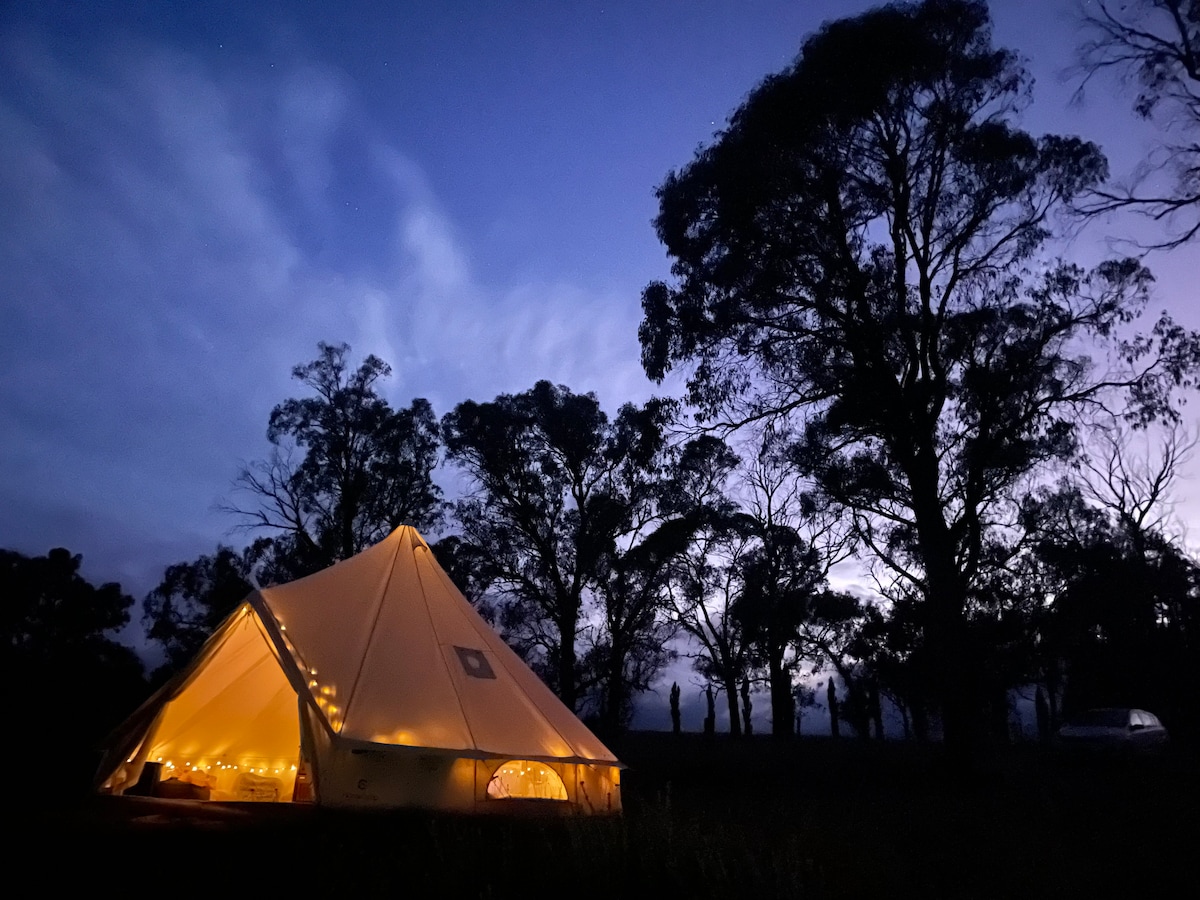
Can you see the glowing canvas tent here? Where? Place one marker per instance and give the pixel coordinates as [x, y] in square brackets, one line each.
[372, 683]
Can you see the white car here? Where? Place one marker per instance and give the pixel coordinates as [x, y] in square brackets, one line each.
[1113, 729]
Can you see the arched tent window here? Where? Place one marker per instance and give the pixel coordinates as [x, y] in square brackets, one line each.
[528, 780]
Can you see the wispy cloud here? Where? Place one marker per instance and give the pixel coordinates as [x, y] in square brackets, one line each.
[179, 241]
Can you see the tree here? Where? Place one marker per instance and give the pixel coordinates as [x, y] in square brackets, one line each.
[888, 646]
[851, 253]
[701, 599]
[702, 586]
[50, 609]
[1157, 44]
[787, 613]
[194, 598]
[57, 651]
[1136, 488]
[750, 590]
[782, 575]
[345, 470]
[560, 497]
[467, 566]
[675, 500]
[1121, 620]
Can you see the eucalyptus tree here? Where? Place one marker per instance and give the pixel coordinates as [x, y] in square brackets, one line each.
[71, 680]
[1155, 44]
[857, 252]
[345, 468]
[557, 494]
[193, 598]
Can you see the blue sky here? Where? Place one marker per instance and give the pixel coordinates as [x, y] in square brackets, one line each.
[195, 194]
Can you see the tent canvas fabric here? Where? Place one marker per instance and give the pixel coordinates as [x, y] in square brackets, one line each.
[372, 683]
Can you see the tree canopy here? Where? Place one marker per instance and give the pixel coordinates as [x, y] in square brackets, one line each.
[58, 651]
[857, 252]
[558, 496]
[346, 468]
[193, 598]
[1156, 45]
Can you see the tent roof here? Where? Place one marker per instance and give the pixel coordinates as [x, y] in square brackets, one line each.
[392, 653]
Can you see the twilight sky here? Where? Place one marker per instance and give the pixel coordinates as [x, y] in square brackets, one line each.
[193, 195]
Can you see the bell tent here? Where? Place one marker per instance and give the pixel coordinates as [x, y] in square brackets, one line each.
[372, 683]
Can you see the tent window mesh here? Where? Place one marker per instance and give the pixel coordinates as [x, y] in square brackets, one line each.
[526, 779]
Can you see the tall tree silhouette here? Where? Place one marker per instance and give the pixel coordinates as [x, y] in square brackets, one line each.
[193, 598]
[1120, 614]
[57, 649]
[345, 469]
[558, 496]
[705, 582]
[851, 253]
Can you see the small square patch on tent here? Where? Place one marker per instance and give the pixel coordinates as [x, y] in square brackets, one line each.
[474, 663]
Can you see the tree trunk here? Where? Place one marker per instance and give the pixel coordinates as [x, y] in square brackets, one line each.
[731, 700]
[876, 711]
[567, 625]
[835, 729]
[783, 702]
[945, 624]
[955, 683]
[612, 715]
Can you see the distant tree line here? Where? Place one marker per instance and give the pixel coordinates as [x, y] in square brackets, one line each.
[883, 363]
[67, 680]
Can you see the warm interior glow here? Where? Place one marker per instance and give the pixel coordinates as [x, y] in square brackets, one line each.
[232, 732]
[524, 778]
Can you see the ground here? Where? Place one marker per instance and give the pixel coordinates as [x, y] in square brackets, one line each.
[720, 818]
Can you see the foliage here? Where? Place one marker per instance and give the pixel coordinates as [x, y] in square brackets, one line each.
[750, 590]
[851, 254]
[704, 586]
[787, 613]
[71, 681]
[1120, 622]
[562, 503]
[193, 598]
[1155, 43]
[50, 610]
[345, 470]
[467, 567]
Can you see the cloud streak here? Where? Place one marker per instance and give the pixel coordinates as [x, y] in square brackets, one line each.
[183, 242]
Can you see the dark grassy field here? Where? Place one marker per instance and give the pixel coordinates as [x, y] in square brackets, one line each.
[809, 818]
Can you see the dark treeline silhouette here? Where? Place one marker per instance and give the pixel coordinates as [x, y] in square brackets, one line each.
[1124, 626]
[858, 258]
[570, 515]
[881, 360]
[345, 469]
[69, 682]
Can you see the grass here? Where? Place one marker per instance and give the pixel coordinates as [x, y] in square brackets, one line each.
[810, 818]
